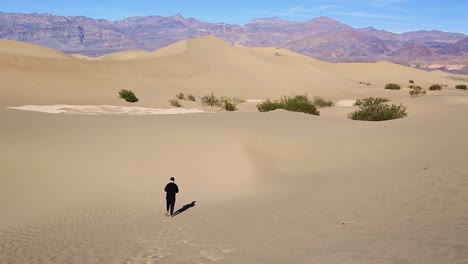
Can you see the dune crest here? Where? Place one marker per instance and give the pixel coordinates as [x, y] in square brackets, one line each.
[16, 48]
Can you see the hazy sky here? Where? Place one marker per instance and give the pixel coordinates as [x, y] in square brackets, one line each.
[392, 15]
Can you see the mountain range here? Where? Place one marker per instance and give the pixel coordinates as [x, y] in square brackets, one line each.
[322, 38]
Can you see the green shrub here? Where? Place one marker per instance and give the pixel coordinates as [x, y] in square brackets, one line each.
[190, 97]
[369, 101]
[417, 91]
[298, 103]
[268, 105]
[210, 100]
[435, 87]
[461, 86]
[320, 102]
[392, 86]
[175, 102]
[374, 109]
[411, 81]
[180, 96]
[128, 95]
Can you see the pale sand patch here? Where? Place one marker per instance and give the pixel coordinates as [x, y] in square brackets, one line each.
[105, 109]
[345, 103]
[255, 100]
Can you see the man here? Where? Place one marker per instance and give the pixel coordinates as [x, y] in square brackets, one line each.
[171, 190]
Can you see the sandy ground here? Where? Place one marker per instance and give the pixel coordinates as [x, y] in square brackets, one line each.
[268, 187]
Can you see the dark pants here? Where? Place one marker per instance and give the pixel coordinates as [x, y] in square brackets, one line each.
[170, 203]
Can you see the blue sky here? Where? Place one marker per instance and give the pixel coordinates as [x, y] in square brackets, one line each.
[392, 15]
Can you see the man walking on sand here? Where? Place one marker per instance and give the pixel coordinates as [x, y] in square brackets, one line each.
[171, 190]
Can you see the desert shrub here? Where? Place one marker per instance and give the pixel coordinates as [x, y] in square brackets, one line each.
[435, 87]
[461, 86]
[392, 86]
[268, 105]
[374, 109]
[210, 100]
[229, 105]
[234, 99]
[128, 96]
[180, 96]
[369, 101]
[190, 97]
[365, 83]
[411, 81]
[298, 103]
[224, 102]
[416, 91]
[320, 102]
[238, 100]
[175, 102]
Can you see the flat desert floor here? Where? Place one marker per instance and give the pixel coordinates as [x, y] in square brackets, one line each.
[86, 186]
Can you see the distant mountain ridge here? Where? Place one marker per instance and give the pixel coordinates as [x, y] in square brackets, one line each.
[323, 38]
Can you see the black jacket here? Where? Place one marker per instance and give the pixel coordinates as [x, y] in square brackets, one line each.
[171, 190]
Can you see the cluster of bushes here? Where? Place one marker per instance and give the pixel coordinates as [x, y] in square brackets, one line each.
[181, 96]
[190, 97]
[224, 102]
[370, 108]
[461, 86]
[416, 90]
[128, 96]
[298, 103]
[375, 109]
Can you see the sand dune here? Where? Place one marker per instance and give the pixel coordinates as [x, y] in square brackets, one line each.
[197, 66]
[15, 48]
[270, 187]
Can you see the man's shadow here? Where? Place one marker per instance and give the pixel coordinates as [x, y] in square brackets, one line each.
[184, 208]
